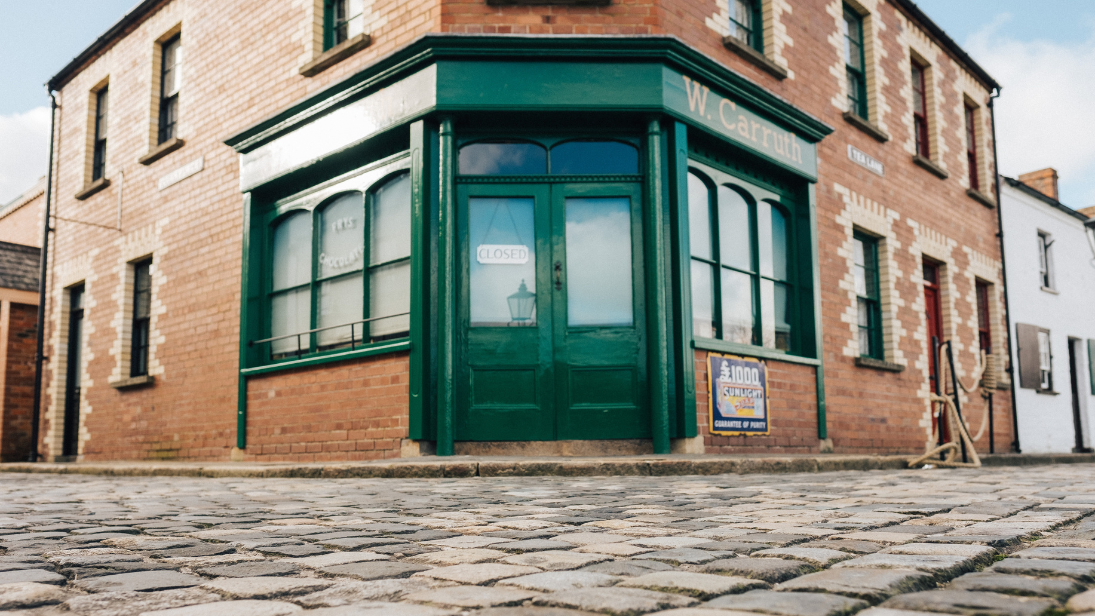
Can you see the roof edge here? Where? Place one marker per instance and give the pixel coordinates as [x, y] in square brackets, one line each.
[105, 41]
[946, 41]
[1050, 201]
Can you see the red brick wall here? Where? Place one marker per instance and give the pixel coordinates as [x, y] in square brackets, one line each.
[18, 383]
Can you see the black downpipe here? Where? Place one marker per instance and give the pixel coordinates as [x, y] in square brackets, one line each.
[1004, 273]
[957, 400]
[32, 455]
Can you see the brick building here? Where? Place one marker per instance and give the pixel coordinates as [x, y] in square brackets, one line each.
[340, 230]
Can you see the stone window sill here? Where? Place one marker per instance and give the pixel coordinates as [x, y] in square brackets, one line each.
[133, 382]
[754, 56]
[1047, 392]
[878, 364]
[92, 188]
[1051, 290]
[981, 198]
[336, 54]
[930, 165]
[161, 150]
[866, 126]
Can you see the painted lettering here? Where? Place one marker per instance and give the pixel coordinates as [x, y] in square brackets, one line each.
[697, 95]
[723, 104]
[743, 127]
[765, 131]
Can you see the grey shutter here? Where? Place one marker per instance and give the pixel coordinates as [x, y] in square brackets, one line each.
[1026, 338]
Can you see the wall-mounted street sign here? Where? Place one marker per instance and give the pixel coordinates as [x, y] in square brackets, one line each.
[737, 395]
[502, 254]
[860, 158]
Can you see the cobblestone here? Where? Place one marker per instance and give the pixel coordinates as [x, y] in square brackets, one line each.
[879, 543]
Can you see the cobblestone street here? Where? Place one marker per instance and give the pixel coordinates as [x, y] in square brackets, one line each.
[880, 543]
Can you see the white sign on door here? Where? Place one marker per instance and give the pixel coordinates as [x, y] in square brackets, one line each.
[502, 254]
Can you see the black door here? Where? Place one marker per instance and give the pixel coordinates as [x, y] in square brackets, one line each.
[70, 444]
[1074, 383]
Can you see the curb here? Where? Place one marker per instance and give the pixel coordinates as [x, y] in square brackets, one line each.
[644, 466]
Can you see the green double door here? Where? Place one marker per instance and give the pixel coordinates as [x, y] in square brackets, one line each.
[551, 328]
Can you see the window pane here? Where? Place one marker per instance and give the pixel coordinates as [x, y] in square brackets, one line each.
[342, 236]
[860, 267]
[142, 281]
[503, 158]
[290, 313]
[390, 236]
[735, 238]
[864, 322]
[853, 40]
[775, 310]
[340, 303]
[737, 307]
[703, 300]
[598, 249]
[293, 251]
[772, 234]
[390, 293]
[498, 231]
[699, 217]
[741, 21]
[594, 157]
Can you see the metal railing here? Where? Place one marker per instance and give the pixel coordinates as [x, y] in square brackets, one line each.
[300, 351]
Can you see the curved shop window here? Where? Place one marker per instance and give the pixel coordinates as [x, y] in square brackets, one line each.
[340, 271]
[571, 157]
[742, 289]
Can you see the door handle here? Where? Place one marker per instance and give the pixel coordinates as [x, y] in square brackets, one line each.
[558, 276]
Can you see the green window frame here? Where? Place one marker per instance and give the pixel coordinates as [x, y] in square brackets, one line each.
[868, 296]
[141, 318]
[170, 81]
[337, 268]
[98, 148]
[855, 63]
[342, 21]
[747, 23]
[743, 263]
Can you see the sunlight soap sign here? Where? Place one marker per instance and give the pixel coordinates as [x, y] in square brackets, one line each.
[737, 396]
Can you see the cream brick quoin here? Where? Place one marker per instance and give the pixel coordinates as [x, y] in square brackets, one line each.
[916, 41]
[137, 245]
[873, 53]
[70, 273]
[878, 220]
[774, 32]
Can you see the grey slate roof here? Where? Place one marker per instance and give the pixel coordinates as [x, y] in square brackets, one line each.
[19, 266]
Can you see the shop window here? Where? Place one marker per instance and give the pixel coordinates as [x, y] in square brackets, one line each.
[746, 23]
[740, 266]
[594, 158]
[868, 298]
[1045, 261]
[170, 81]
[855, 63]
[98, 155]
[984, 323]
[341, 273]
[344, 19]
[920, 109]
[142, 317]
[971, 146]
[498, 157]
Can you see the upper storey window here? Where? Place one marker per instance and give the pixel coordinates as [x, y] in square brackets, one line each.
[745, 23]
[171, 56]
[920, 109]
[98, 157]
[576, 157]
[854, 63]
[971, 146]
[344, 19]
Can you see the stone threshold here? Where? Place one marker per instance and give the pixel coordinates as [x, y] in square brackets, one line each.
[481, 466]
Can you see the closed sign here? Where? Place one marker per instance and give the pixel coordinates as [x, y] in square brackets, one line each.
[502, 254]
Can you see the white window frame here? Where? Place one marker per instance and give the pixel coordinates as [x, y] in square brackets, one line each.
[1045, 261]
[1045, 362]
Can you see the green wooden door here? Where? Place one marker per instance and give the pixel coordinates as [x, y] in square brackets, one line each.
[550, 323]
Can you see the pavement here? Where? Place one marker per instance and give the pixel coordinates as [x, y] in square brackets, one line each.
[1008, 540]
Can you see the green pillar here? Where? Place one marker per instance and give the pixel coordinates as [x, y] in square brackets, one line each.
[819, 340]
[654, 237]
[245, 349]
[685, 366]
[446, 288]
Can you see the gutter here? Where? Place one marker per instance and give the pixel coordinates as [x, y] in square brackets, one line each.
[36, 413]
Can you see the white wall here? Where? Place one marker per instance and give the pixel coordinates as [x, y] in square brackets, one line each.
[1045, 420]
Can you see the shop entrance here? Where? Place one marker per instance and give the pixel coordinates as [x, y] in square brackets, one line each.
[551, 323]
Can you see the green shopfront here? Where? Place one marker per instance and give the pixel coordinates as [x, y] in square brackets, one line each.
[553, 231]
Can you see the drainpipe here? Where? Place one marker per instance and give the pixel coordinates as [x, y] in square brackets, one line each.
[32, 454]
[1004, 271]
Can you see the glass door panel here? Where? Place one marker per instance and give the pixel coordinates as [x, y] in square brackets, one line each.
[598, 245]
[502, 261]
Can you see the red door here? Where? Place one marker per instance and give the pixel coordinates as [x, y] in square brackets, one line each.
[935, 323]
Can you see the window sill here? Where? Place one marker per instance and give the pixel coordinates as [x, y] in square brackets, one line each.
[878, 364]
[92, 188]
[981, 198]
[1047, 392]
[930, 165]
[134, 382]
[336, 54]
[754, 56]
[1050, 290]
[866, 126]
[721, 346]
[161, 150]
[377, 349]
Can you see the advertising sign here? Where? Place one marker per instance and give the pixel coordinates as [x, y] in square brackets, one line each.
[499, 254]
[737, 395]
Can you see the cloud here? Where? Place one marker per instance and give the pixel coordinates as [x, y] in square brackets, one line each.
[24, 151]
[1044, 113]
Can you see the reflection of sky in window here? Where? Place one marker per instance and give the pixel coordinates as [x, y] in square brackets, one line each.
[507, 221]
[487, 158]
[594, 157]
[598, 237]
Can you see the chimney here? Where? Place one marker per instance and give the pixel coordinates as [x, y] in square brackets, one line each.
[1088, 211]
[1044, 181]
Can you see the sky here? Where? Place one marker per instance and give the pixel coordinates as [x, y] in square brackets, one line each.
[1042, 52]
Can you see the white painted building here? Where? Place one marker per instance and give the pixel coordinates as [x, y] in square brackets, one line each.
[1050, 258]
